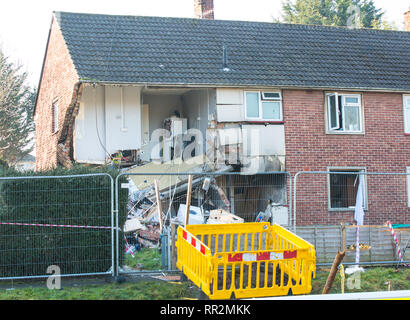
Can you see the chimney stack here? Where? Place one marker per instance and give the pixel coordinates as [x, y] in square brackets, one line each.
[204, 9]
[407, 20]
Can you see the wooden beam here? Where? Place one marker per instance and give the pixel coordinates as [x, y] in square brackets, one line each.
[188, 199]
[159, 206]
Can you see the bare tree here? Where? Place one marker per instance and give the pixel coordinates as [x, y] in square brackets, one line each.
[16, 112]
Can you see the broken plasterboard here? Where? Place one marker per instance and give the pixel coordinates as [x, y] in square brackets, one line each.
[143, 181]
[221, 217]
[132, 225]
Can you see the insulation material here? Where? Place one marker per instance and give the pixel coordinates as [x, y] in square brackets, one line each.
[222, 216]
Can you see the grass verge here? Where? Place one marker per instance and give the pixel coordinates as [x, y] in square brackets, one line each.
[373, 279]
[142, 290]
[149, 258]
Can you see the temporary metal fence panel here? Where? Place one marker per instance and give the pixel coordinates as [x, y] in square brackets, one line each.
[247, 197]
[60, 221]
[324, 200]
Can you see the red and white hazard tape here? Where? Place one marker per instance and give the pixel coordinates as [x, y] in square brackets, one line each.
[262, 256]
[396, 242]
[193, 241]
[53, 225]
[239, 257]
[128, 248]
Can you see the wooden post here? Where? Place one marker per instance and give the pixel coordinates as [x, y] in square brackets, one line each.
[173, 248]
[159, 206]
[188, 199]
[329, 282]
[343, 237]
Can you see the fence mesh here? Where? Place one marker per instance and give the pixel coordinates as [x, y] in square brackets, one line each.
[63, 221]
[324, 207]
[215, 198]
[67, 221]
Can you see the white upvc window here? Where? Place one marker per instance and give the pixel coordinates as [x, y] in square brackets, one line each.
[408, 187]
[406, 110]
[343, 183]
[344, 113]
[263, 105]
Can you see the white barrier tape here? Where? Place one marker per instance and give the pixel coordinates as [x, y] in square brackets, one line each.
[55, 225]
[193, 241]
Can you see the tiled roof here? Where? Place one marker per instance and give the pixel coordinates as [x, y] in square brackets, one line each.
[158, 50]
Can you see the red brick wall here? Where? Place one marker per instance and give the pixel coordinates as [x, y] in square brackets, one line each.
[204, 9]
[58, 80]
[383, 148]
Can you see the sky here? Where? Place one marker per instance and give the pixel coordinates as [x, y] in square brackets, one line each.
[24, 24]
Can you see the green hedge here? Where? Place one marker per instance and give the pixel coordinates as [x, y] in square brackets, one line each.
[29, 250]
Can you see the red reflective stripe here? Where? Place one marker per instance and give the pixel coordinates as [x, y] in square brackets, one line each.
[193, 241]
[235, 257]
[263, 256]
[289, 254]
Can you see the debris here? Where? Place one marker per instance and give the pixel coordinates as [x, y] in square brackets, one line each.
[195, 215]
[150, 235]
[173, 279]
[147, 244]
[206, 185]
[263, 217]
[222, 216]
[354, 269]
[362, 246]
[130, 249]
[154, 200]
[222, 195]
[133, 225]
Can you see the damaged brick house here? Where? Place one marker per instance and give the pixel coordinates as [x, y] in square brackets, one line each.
[317, 97]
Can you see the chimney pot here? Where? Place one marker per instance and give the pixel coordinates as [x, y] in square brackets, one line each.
[407, 20]
[204, 9]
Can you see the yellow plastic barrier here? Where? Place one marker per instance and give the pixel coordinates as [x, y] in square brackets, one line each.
[245, 260]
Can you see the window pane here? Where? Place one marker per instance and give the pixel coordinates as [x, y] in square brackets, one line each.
[352, 118]
[408, 185]
[343, 190]
[407, 118]
[333, 112]
[354, 100]
[271, 110]
[252, 104]
[271, 95]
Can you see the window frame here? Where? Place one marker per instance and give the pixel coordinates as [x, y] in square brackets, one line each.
[261, 99]
[406, 106]
[341, 109]
[347, 170]
[54, 117]
[408, 185]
